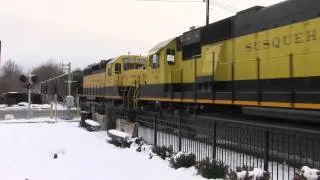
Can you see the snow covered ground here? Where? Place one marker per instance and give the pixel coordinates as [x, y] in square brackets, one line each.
[27, 151]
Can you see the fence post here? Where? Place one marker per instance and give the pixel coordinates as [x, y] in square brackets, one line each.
[266, 149]
[214, 140]
[180, 131]
[155, 130]
[123, 113]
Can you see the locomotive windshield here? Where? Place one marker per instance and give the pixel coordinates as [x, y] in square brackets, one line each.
[133, 64]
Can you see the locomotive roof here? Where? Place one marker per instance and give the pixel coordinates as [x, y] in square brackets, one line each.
[122, 56]
[287, 12]
[159, 46]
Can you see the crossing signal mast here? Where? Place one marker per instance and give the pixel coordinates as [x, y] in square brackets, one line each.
[28, 82]
[69, 98]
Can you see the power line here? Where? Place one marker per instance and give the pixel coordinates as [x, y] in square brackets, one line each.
[175, 1]
[225, 6]
[208, 2]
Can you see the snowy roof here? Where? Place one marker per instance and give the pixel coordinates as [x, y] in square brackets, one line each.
[159, 46]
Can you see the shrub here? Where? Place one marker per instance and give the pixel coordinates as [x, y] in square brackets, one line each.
[183, 160]
[212, 169]
[307, 173]
[248, 173]
[266, 176]
[163, 152]
[244, 168]
[298, 176]
[139, 142]
[234, 176]
[121, 142]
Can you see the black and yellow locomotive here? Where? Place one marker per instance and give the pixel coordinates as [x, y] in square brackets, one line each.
[261, 57]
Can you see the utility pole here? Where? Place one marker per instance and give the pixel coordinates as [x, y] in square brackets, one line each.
[69, 79]
[207, 12]
[29, 96]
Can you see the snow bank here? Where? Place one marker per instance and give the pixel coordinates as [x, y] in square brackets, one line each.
[36, 120]
[3, 106]
[9, 117]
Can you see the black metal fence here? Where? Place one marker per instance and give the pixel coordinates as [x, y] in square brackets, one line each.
[281, 151]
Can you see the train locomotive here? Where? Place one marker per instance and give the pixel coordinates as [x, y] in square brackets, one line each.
[263, 57]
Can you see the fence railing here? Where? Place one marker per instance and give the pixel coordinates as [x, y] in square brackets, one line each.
[22, 114]
[280, 150]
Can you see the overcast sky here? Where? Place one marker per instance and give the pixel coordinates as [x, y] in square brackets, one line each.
[85, 31]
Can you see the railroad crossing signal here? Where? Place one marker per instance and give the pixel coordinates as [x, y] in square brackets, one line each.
[23, 78]
[33, 79]
[29, 80]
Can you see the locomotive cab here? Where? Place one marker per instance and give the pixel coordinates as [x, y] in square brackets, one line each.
[163, 73]
[122, 77]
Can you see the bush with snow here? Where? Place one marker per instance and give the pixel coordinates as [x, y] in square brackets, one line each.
[181, 159]
[121, 142]
[249, 173]
[138, 142]
[306, 173]
[212, 169]
[163, 152]
[119, 138]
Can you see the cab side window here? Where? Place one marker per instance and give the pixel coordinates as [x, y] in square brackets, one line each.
[109, 70]
[155, 61]
[170, 56]
[117, 68]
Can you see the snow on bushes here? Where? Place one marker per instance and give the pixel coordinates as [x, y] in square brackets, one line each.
[181, 159]
[206, 168]
[249, 173]
[306, 173]
[121, 142]
[163, 151]
[212, 169]
[119, 139]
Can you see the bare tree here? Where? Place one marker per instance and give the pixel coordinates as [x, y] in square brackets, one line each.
[48, 70]
[10, 77]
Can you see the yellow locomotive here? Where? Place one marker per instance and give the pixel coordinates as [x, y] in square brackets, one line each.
[113, 81]
[261, 57]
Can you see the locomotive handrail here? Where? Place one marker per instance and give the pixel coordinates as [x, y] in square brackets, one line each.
[262, 125]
